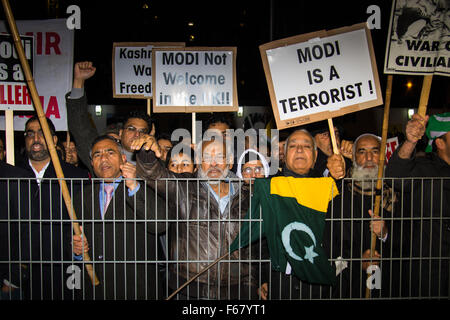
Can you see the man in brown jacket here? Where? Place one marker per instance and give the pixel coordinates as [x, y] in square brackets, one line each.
[206, 212]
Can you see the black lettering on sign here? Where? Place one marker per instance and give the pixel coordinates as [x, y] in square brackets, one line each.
[322, 98]
[215, 59]
[142, 70]
[318, 51]
[179, 58]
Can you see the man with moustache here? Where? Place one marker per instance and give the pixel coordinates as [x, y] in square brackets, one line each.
[356, 203]
[47, 236]
[80, 124]
[301, 154]
[207, 211]
[131, 243]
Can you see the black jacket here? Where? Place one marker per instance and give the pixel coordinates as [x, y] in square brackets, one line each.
[10, 204]
[426, 224]
[81, 126]
[46, 230]
[122, 243]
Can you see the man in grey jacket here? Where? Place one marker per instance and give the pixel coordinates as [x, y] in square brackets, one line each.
[207, 214]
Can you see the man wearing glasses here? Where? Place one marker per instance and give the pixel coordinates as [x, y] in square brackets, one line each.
[207, 211]
[80, 124]
[46, 231]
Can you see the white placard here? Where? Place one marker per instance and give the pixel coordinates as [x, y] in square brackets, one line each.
[14, 94]
[53, 67]
[132, 68]
[316, 78]
[419, 38]
[195, 79]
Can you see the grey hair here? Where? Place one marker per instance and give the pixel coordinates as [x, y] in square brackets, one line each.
[105, 137]
[302, 130]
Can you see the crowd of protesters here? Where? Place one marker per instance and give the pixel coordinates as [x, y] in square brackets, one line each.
[144, 199]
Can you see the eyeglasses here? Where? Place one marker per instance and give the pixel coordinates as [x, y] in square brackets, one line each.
[133, 130]
[256, 170]
[32, 134]
[219, 158]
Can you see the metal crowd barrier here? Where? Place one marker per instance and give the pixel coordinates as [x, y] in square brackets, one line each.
[152, 250]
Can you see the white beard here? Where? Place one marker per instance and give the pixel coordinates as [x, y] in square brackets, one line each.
[204, 175]
[365, 175]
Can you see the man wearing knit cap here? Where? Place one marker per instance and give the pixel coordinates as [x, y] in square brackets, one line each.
[428, 200]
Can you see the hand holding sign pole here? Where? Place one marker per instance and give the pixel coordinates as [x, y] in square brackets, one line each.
[9, 126]
[46, 131]
[341, 173]
[381, 161]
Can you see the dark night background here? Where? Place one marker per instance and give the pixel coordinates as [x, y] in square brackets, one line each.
[244, 24]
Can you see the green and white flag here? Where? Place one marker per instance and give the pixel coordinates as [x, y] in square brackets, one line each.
[293, 220]
[438, 125]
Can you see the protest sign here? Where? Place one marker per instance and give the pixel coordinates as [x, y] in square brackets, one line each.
[418, 38]
[321, 75]
[195, 79]
[391, 146]
[14, 93]
[53, 67]
[132, 68]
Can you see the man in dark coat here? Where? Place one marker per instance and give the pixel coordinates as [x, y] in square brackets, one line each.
[48, 235]
[10, 203]
[426, 207]
[121, 240]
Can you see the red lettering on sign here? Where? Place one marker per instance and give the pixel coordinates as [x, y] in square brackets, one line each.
[390, 148]
[52, 108]
[10, 100]
[17, 95]
[52, 40]
[26, 96]
[2, 95]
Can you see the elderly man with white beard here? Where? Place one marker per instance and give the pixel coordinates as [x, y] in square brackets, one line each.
[207, 212]
[353, 210]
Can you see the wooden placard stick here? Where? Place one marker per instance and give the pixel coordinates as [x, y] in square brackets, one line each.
[334, 143]
[9, 134]
[197, 275]
[193, 129]
[333, 136]
[149, 107]
[381, 161]
[424, 95]
[46, 131]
